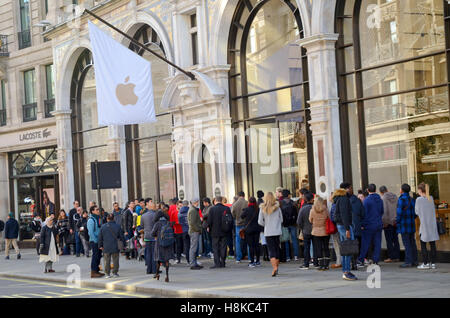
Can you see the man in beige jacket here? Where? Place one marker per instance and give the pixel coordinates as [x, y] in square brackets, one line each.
[236, 211]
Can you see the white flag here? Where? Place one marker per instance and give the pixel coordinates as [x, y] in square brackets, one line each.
[124, 82]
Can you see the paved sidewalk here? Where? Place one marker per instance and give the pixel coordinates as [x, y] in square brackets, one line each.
[237, 280]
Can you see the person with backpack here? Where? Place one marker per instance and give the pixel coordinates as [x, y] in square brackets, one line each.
[318, 217]
[236, 210]
[428, 231]
[36, 226]
[406, 225]
[271, 218]
[147, 222]
[290, 215]
[220, 224]
[305, 227]
[108, 238]
[335, 236]
[11, 235]
[93, 226]
[165, 239]
[183, 239]
[252, 231]
[389, 226]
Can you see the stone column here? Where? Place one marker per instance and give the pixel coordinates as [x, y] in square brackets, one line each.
[65, 158]
[324, 106]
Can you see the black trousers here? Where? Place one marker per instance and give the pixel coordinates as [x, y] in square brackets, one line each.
[273, 245]
[219, 246]
[253, 243]
[321, 246]
[428, 257]
[183, 242]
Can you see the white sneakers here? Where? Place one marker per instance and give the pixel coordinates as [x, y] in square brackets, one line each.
[427, 266]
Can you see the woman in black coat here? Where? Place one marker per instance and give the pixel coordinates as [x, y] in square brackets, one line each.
[162, 254]
[252, 230]
[48, 248]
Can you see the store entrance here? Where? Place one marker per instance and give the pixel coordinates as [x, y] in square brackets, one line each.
[38, 195]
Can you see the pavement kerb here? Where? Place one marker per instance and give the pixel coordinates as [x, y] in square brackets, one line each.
[151, 291]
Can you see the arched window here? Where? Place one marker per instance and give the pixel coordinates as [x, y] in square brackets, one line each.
[269, 89]
[394, 92]
[88, 139]
[151, 169]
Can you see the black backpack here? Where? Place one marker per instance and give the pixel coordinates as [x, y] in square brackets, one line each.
[289, 214]
[227, 222]
[167, 237]
[2, 225]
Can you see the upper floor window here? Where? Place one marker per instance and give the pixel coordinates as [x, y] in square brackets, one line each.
[49, 103]
[30, 106]
[194, 38]
[3, 104]
[24, 35]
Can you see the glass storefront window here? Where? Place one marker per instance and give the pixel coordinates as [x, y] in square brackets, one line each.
[400, 29]
[273, 58]
[166, 171]
[148, 168]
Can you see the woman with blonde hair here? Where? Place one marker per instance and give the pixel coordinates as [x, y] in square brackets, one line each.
[271, 218]
[318, 218]
[425, 209]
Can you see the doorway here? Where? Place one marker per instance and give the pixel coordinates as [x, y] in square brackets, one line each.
[34, 195]
[205, 181]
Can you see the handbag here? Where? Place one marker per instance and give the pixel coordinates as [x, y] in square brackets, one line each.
[441, 226]
[242, 231]
[349, 247]
[330, 227]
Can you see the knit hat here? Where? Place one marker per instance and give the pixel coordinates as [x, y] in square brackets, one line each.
[11, 214]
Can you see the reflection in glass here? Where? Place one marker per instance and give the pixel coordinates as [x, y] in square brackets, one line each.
[400, 29]
[273, 57]
[280, 101]
[166, 169]
[147, 156]
[294, 157]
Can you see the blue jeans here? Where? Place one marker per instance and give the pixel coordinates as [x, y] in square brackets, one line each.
[369, 236]
[409, 240]
[206, 238]
[393, 246]
[78, 245]
[346, 260]
[294, 240]
[149, 259]
[238, 243]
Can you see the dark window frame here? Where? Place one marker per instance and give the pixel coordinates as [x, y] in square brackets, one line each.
[233, 48]
[359, 99]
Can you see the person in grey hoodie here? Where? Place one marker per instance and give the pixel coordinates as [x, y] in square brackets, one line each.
[236, 210]
[306, 227]
[389, 225]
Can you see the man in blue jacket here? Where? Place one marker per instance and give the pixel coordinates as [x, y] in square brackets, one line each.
[93, 226]
[372, 225]
[406, 225]
[11, 235]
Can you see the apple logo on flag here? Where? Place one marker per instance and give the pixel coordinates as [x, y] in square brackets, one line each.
[125, 93]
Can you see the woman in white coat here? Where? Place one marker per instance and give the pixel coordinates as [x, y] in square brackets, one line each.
[425, 209]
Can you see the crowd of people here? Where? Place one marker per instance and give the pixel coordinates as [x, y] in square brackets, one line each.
[271, 226]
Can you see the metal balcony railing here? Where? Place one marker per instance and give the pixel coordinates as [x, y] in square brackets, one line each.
[49, 106]
[4, 45]
[24, 39]
[29, 112]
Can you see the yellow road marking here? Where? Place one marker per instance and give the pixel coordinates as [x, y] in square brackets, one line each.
[89, 290]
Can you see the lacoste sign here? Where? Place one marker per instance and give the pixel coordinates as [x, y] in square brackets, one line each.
[40, 134]
[11, 140]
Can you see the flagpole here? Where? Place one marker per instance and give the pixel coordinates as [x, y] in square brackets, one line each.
[189, 74]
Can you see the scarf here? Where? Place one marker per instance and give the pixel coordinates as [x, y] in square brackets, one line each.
[252, 204]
